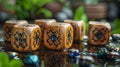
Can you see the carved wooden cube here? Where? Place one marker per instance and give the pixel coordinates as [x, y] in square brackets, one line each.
[7, 28]
[55, 59]
[44, 23]
[59, 36]
[26, 38]
[78, 28]
[99, 33]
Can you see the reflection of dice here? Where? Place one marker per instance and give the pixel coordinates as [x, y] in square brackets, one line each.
[55, 59]
[7, 28]
[59, 36]
[79, 29]
[99, 33]
[26, 37]
[44, 23]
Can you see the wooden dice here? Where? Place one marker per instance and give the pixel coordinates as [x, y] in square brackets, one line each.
[26, 38]
[7, 28]
[78, 28]
[59, 36]
[99, 33]
[44, 23]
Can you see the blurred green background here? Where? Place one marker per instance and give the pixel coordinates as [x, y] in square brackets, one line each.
[87, 10]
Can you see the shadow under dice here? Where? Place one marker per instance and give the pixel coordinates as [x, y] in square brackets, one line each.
[59, 36]
[99, 33]
[26, 38]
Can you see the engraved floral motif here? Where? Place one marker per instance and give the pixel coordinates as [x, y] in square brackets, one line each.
[99, 35]
[36, 38]
[69, 36]
[54, 37]
[8, 30]
[20, 39]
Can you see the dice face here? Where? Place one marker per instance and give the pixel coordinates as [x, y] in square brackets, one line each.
[7, 32]
[44, 23]
[56, 59]
[78, 28]
[35, 39]
[58, 37]
[26, 38]
[99, 33]
[7, 28]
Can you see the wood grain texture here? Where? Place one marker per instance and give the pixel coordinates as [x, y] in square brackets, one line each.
[26, 38]
[99, 33]
[7, 29]
[78, 28]
[59, 36]
[44, 23]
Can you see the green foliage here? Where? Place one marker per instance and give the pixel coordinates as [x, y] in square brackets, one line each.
[4, 59]
[116, 26]
[27, 8]
[7, 5]
[81, 15]
[46, 12]
[5, 62]
[15, 63]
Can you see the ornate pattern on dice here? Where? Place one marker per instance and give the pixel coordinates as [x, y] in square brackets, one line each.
[59, 36]
[26, 38]
[54, 37]
[7, 28]
[55, 59]
[79, 30]
[99, 33]
[44, 23]
[20, 39]
[7, 34]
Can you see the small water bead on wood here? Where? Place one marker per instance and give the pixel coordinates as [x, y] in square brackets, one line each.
[78, 28]
[59, 36]
[7, 28]
[44, 23]
[99, 33]
[26, 38]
